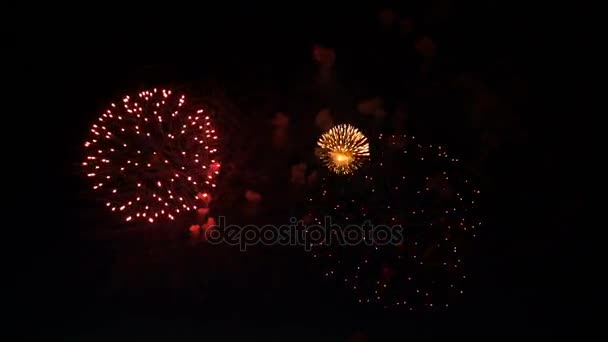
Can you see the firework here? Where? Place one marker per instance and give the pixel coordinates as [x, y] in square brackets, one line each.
[152, 156]
[424, 191]
[343, 149]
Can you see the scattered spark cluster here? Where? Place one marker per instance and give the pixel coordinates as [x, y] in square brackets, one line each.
[343, 149]
[420, 188]
[152, 156]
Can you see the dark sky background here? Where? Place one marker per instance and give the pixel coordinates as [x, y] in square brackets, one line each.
[64, 267]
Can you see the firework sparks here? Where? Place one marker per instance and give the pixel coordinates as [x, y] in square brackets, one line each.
[428, 195]
[343, 149]
[149, 155]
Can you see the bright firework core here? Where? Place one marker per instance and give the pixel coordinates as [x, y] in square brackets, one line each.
[341, 158]
[343, 149]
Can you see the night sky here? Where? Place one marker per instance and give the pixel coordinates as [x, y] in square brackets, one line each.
[78, 274]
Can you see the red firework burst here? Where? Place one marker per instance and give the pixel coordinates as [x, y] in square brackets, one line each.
[152, 156]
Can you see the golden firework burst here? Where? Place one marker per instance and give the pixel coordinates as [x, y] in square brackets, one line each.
[343, 149]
